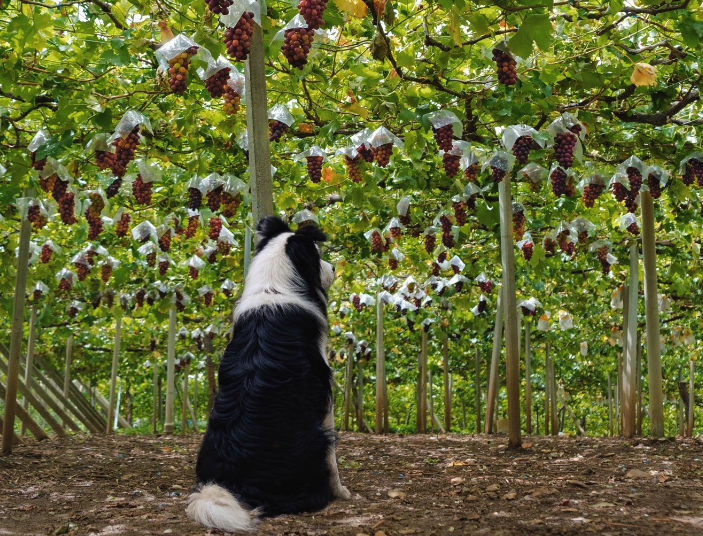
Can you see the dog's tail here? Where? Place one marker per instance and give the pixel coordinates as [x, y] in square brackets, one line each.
[215, 507]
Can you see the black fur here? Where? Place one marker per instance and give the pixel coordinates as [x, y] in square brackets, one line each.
[265, 442]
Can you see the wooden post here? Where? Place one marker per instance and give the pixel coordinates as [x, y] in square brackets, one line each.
[495, 359]
[184, 399]
[618, 397]
[195, 398]
[155, 402]
[547, 389]
[17, 330]
[630, 362]
[512, 335]
[360, 421]
[654, 363]
[553, 401]
[348, 385]
[528, 378]
[431, 402]
[258, 127]
[691, 397]
[638, 425]
[171, 369]
[679, 406]
[113, 374]
[380, 367]
[117, 406]
[447, 385]
[610, 404]
[67, 370]
[24, 416]
[422, 382]
[477, 388]
[29, 363]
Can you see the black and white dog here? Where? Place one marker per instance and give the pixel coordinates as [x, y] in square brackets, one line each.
[269, 448]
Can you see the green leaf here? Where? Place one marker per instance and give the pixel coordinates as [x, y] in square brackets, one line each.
[479, 23]
[521, 43]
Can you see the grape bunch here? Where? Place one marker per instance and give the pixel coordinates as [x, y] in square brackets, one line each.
[37, 164]
[193, 272]
[498, 166]
[435, 269]
[602, 254]
[395, 232]
[486, 286]
[217, 83]
[442, 256]
[114, 188]
[549, 246]
[212, 256]
[193, 222]
[314, 168]
[232, 101]
[72, 311]
[90, 256]
[312, 11]
[405, 218]
[195, 198]
[507, 67]
[694, 169]
[654, 186]
[471, 172]
[65, 284]
[238, 39]
[142, 190]
[356, 302]
[223, 248]
[471, 202]
[365, 152]
[163, 267]
[165, 241]
[230, 204]
[563, 241]
[591, 192]
[97, 204]
[482, 306]
[296, 46]
[459, 212]
[558, 179]
[139, 297]
[450, 162]
[95, 224]
[576, 128]
[582, 237]
[278, 129]
[377, 244]
[382, 154]
[635, 180]
[527, 250]
[570, 190]
[459, 286]
[104, 159]
[37, 219]
[214, 198]
[122, 225]
[518, 224]
[447, 234]
[353, 170]
[215, 228]
[526, 311]
[46, 252]
[521, 148]
[105, 272]
[393, 263]
[633, 228]
[36, 295]
[67, 208]
[207, 298]
[430, 241]
[82, 270]
[60, 189]
[151, 259]
[178, 69]
[444, 136]
[219, 7]
[124, 152]
[620, 193]
[564, 144]
[47, 183]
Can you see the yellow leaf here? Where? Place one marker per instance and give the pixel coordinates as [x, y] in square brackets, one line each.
[644, 75]
[356, 8]
[357, 109]
[327, 174]
[306, 128]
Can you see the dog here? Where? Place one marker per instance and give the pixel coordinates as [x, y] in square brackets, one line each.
[269, 448]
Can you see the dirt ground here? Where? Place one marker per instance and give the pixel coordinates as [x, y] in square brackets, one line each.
[401, 485]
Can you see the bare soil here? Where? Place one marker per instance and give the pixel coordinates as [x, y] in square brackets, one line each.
[422, 485]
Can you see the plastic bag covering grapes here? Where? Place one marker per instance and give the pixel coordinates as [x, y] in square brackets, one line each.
[228, 285]
[281, 114]
[53, 245]
[79, 258]
[459, 148]
[129, 120]
[394, 223]
[369, 234]
[518, 207]
[23, 204]
[305, 215]
[204, 290]
[67, 274]
[664, 303]
[543, 322]
[513, 132]
[397, 254]
[427, 322]
[382, 136]
[238, 8]
[404, 305]
[403, 206]
[163, 257]
[367, 299]
[3, 170]
[350, 337]
[565, 321]
[431, 230]
[582, 225]
[173, 48]
[471, 189]
[41, 287]
[163, 229]
[311, 151]
[688, 337]
[110, 261]
[442, 118]
[616, 298]
[196, 262]
[595, 246]
[149, 172]
[500, 160]
[147, 248]
[634, 162]
[534, 172]
[296, 22]
[387, 281]
[409, 286]
[242, 140]
[185, 299]
[144, 231]
[361, 138]
[659, 173]
[481, 299]
[52, 167]
[530, 304]
[349, 152]
[481, 278]
[468, 159]
[626, 220]
[39, 139]
[34, 252]
[568, 121]
[457, 262]
[584, 348]
[210, 248]
[559, 126]
[458, 278]
[696, 155]
[75, 304]
[385, 297]
[526, 239]
[214, 66]
[211, 182]
[237, 82]
[593, 175]
[99, 143]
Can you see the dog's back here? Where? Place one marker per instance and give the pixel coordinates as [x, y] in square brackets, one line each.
[265, 442]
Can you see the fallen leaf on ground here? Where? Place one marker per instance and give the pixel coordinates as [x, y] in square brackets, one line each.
[510, 496]
[396, 494]
[457, 481]
[636, 473]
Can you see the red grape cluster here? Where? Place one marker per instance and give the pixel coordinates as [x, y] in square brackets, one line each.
[459, 212]
[104, 159]
[471, 172]
[193, 222]
[139, 297]
[36, 295]
[72, 311]
[217, 83]
[151, 259]
[405, 218]
[447, 234]
[312, 11]
[178, 69]
[124, 152]
[576, 128]
[549, 245]
[114, 188]
[314, 168]
[482, 306]
[47, 183]
[90, 256]
[444, 136]
[582, 237]
[451, 164]
[430, 241]
[142, 190]
[296, 46]
[105, 272]
[207, 298]
[471, 202]
[60, 189]
[223, 248]
[122, 225]
[35, 216]
[353, 169]
[435, 269]
[97, 204]
[365, 152]
[635, 180]
[507, 67]
[163, 267]
[232, 101]
[67, 208]
[564, 144]
[558, 178]
[37, 164]
[633, 228]
[382, 154]
[238, 39]
[498, 169]
[215, 228]
[591, 192]
[518, 224]
[570, 190]
[527, 250]
[212, 256]
[230, 204]
[82, 270]
[442, 256]
[214, 198]
[165, 241]
[193, 272]
[620, 193]
[393, 263]
[278, 129]
[195, 198]
[46, 253]
[486, 286]
[654, 185]
[65, 284]
[521, 148]
[602, 254]
[377, 242]
[694, 168]
[395, 232]
[356, 302]
[219, 6]
[95, 224]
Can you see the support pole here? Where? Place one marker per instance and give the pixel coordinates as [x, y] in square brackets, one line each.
[691, 397]
[422, 402]
[495, 359]
[257, 126]
[17, 330]
[113, 374]
[171, 368]
[630, 360]
[360, 421]
[247, 244]
[380, 367]
[184, 399]
[654, 362]
[528, 378]
[29, 363]
[610, 404]
[155, 402]
[348, 386]
[477, 389]
[67, 371]
[553, 399]
[547, 389]
[447, 385]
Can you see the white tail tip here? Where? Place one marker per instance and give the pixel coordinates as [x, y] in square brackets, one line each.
[215, 507]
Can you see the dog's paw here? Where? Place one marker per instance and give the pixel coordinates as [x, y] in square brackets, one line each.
[342, 493]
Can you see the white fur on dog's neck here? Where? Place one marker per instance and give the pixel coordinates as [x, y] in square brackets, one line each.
[271, 281]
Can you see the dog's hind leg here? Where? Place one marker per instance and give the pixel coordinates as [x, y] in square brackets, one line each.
[338, 490]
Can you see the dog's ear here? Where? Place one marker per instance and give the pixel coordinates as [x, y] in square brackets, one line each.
[311, 231]
[270, 227]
